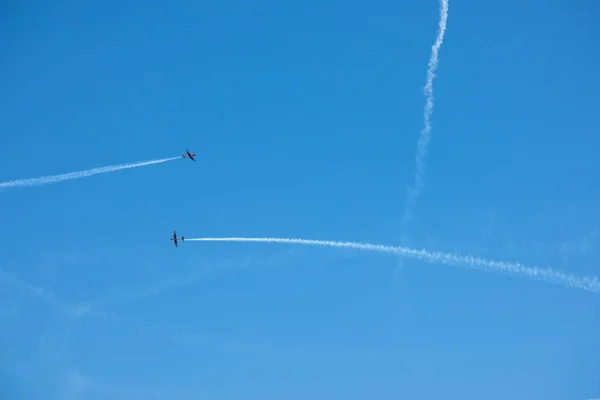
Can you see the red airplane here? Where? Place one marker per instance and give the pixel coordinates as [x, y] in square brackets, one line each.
[189, 155]
[174, 238]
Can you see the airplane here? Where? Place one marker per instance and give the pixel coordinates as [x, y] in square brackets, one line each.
[174, 238]
[189, 155]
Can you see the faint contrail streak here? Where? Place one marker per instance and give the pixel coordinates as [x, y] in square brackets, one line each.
[591, 284]
[414, 192]
[44, 294]
[44, 180]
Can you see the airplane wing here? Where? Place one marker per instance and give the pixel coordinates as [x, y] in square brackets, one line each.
[189, 155]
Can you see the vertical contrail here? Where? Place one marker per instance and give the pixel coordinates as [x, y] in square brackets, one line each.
[591, 284]
[45, 180]
[414, 192]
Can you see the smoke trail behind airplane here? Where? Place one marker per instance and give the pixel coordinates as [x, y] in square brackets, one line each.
[424, 138]
[413, 193]
[591, 284]
[45, 180]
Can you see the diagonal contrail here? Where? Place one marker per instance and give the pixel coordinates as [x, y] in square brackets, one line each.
[591, 284]
[414, 192]
[45, 180]
[44, 294]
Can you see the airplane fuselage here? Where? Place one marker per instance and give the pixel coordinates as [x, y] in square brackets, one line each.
[175, 238]
[189, 155]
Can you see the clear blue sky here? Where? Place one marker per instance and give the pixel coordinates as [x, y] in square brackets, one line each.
[305, 117]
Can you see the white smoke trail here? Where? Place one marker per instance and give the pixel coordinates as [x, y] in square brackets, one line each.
[75, 310]
[44, 180]
[425, 133]
[591, 284]
[414, 192]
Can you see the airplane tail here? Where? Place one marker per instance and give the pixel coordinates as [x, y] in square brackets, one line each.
[182, 238]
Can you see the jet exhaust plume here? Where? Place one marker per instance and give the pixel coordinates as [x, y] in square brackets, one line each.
[414, 192]
[45, 180]
[591, 284]
[425, 133]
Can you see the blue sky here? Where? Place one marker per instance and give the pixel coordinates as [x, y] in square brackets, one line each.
[305, 117]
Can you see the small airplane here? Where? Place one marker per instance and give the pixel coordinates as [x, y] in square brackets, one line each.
[174, 238]
[189, 155]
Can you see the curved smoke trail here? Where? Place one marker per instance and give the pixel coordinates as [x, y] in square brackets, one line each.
[45, 180]
[591, 284]
[414, 192]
